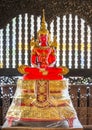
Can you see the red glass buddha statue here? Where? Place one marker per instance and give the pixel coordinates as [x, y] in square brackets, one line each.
[43, 58]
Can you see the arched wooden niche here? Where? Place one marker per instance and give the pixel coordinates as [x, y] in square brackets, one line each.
[74, 38]
[77, 55]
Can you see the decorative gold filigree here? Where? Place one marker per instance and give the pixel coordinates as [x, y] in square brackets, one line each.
[54, 43]
[43, 29]
[21, 69]
[65, 70]
[36, 113]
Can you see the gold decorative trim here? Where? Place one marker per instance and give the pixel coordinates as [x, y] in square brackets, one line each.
[52, 113]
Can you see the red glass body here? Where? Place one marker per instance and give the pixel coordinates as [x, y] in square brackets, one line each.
[43, 57]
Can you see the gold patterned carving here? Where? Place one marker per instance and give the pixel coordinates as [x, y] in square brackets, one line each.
[54, 86]
[52, 113]
[23, 84]
[58, 85]
[55, 90]
[42, 93]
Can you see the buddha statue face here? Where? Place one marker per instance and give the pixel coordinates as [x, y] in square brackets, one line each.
[43, 39]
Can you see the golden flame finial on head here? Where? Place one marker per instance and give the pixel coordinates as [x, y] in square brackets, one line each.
[43, 28]
[43, 25]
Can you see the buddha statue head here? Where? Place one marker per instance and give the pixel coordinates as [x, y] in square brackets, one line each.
[43, 33]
